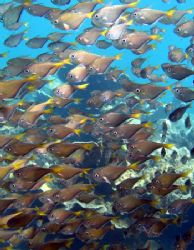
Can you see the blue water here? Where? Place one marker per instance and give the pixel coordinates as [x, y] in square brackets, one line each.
[39, 26]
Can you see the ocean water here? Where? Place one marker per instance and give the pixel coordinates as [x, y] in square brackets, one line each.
[39, 26]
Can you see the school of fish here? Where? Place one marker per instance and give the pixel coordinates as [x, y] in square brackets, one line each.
[73, 166]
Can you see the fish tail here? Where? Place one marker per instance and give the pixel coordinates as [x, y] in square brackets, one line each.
[130, 22]
[170, 13]
[154, 203]
[82, 86]
[104, 32]
[156, 37]
[89, 15]
[186, 173]
[62, 63]
[183, 188]
[32, 78]
[132, 5]
[156, 158]
[89, 187]
[168, 145]
[21, 103]
[19, 136]
[48, 178]
[169, 87]
[86, 170]
[10, 247]
[77, 100]
[153, 46]
[69, 242]
[148, 125]
[118, 57]
[77, 131]
[190, 11]
[49, 111]
[99, 1]
[5, 54]
[134, 166]
[88, 146]
[27, 3]
[136, 115]
[18, 164]
[78, 213]
[115, 219]
[50, 101]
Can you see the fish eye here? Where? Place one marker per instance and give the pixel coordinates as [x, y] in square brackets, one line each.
[115, 132]
[138, 90]
[27, 71]
[18, 173]
[96, 175]
[135, 14]
[101, 119]
[43, 229]
[72, 56]
[56, 21]
[124, 40]
[51, 149]
[13, 185]
[178, 29]
[132, 146]
[190, 49]
[70, 75]
[177, 90]
[169, 69]
[8, 149]
[51, 130]
[96, 16]
[56, 196]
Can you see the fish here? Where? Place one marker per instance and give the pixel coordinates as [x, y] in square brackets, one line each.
[36, 42]
[102, 44]
[60, 2]
[100, 65]
[147, 147]
[89, 36]
[185, 29]
[177, 71]
[64, 149]
[83, 57]
[92, 234]
[10, 88]
[126, 131]
[106, 16]
[116, 31]
[183, 93]
[110, 173]
[129, 203]
[37, 10]
[14, 40]
[176, 55]
[32, 114]
[44, 68]
[188, 122]
[167, 179]
[78, 74]
[71, 20]
[178, 113]
[113, 119]
[150, 16]
[67, 90]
